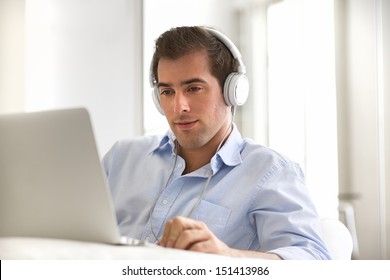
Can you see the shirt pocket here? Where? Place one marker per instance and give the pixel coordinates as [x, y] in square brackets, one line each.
[215, 216]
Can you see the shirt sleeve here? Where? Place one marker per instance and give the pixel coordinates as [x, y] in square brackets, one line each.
[285, 216]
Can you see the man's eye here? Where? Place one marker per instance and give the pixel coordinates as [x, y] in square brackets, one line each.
[194, 89]
[165, 92]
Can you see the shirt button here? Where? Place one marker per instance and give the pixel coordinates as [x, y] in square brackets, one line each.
[165, 201]
[179, 166]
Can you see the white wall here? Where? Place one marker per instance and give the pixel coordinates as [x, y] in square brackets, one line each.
[364, 109]
[12, 76]
[87, 53]
[386, 90]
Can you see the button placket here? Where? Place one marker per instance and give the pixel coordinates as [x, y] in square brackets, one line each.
[162, 207]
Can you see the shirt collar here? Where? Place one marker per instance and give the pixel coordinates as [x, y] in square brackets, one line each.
[166, 143]
[229, 154]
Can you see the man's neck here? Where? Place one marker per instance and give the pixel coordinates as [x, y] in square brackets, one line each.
[197, 158]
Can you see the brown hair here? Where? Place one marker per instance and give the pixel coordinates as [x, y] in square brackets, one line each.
[180, 41]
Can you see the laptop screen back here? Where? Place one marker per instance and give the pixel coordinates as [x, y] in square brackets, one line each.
[51, 180]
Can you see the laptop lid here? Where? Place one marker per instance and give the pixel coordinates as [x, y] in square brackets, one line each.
[51, 181]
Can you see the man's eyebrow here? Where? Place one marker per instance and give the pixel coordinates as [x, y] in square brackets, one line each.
[163, 85]
[186, 82]
[194, 80]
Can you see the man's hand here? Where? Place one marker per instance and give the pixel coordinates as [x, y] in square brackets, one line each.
[187, 234]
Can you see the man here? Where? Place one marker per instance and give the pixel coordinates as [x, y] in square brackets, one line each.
[202, 187]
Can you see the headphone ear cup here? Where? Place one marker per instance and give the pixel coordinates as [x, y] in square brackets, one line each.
[236, 89]
[156, 100]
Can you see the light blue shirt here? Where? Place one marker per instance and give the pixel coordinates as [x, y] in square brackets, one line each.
[256, 198]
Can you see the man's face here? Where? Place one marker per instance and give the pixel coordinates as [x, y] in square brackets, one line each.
[192, 101]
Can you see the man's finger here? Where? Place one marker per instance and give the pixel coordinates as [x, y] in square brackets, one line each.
[174, 228]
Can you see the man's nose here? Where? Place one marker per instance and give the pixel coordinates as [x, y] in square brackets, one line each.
[181, 103]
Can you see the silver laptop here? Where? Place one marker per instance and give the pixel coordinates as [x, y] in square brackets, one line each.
[52, 184]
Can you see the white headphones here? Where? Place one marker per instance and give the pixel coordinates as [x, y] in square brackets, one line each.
[236, 87]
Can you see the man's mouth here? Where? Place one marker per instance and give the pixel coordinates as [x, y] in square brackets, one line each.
[185, 125]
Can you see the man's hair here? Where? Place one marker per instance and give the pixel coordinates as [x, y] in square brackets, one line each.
[180, 41]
